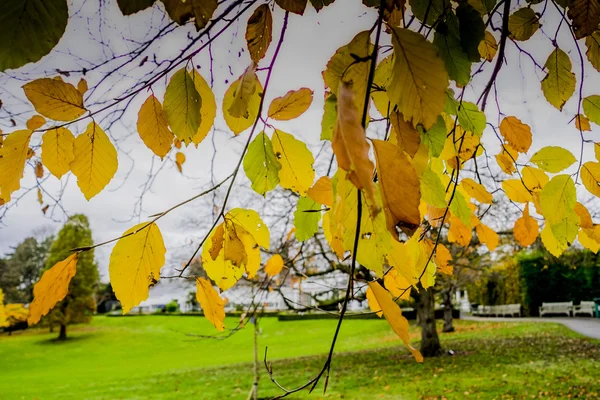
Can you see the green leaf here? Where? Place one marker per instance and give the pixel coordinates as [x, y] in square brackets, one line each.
[472, 30]
[306, 220]
[450, 50]
[261, 165]
[460, 208]
[553, 159]
[470, 118]
[432, 8]
[432, 189]
[129, 7]
[182, 106]
[435, 137]
[29, 30]
[522, 24]
[559, 84]
[591, 108]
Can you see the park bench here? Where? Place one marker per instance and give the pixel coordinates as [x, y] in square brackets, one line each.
[512, 310]
[585, 307]
[556, 308]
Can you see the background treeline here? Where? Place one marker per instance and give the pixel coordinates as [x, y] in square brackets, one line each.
[535, 276]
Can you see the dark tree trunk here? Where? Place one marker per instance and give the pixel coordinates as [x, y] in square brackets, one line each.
[447, 298]
[63, 332]
[430, 341]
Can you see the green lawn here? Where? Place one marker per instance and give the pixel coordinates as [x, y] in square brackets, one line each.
[152, 357]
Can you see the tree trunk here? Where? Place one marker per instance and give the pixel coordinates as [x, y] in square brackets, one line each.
[447, 298]
[63, 332]
[430, 341]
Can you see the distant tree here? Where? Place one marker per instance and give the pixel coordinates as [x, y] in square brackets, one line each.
[22, 268]
[79, 304]
[172, 306]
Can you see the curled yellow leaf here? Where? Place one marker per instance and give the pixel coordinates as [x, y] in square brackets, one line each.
[52, 287]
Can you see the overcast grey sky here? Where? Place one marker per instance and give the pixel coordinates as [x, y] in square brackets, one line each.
[310, 42]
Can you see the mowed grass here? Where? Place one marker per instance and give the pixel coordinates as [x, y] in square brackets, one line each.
[154, 357]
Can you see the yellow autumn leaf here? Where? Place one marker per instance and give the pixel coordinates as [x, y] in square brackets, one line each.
[506, 163]
[243, 97]
[274, 265]
[592, 43]
[57, 151]
[3, 317]
[582, 123]
[372, 302]
[179, 160]
[55, 99]
[35, 122]
[52, 287]
[419, 78]
[404, 134]
[135, 264]
[488, 46]
[227, 240]
[559, 84]
[259, 32]
[208, 109]
[250, 230]
[223, 272]
[558, 198]
[393, 314]
[555, 247]
[553, 159]
[533, 178]
[251, 221]
[82, 86]
[375, 242]
[516, 133]
[597, 150]
[292, 105]
[443, 257]
[153, 127]
[350, 145]
[433, 191]
[343, 68]
[585, 219]
[590, 177]
[588, 241]
[322, 191]
[13, 155]
[523, 23]
[182, 105]
[516, 191]
[400, 188]
[296, 173]
[95, 162]
[526, 228]
[39, 170]
[212, 304]
[476, 191]
[397, 285]
[459, 232]
[487, 236]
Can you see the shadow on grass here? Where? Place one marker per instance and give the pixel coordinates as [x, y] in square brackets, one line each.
[79, 337]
